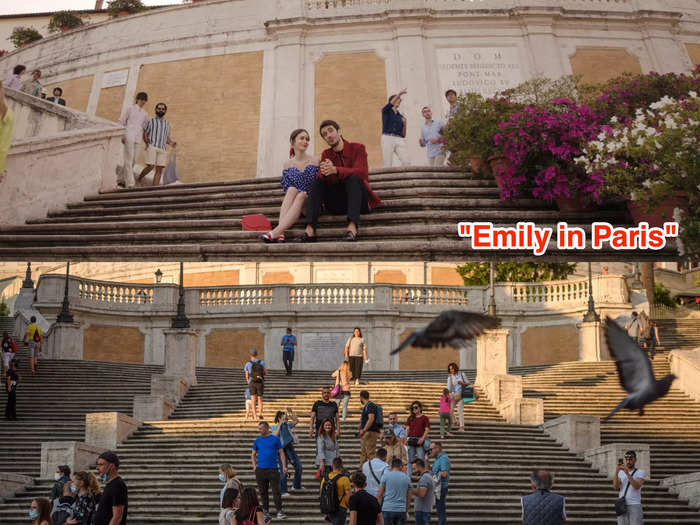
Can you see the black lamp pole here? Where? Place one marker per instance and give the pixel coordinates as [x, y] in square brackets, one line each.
[64, 316]
[28, 283]
[180, 320]
[591, 314]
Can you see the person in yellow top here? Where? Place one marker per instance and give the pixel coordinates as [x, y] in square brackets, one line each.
[338, 510]
[7, 119]
[33, 338]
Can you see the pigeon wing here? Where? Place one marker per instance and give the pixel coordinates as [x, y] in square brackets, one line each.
[451, 327]
[633, 366]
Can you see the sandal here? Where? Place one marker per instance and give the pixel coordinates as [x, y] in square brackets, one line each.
[349, 236]
[268, 238]
[305, 237]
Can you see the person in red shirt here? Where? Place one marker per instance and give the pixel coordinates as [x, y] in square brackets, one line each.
[341, 184]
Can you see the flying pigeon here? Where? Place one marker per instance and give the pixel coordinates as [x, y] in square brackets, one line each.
[451, 327]
[634, 371]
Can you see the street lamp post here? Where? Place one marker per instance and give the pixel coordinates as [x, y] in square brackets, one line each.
[180, 320]
[591, 314]
[64, 316]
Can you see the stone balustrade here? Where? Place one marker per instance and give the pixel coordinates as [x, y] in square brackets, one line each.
[565, 296]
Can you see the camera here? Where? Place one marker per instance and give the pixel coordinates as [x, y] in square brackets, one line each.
[619, 461]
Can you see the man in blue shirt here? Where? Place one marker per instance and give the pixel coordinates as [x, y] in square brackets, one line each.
[255, 377]
[441, 467]
[394, 131]
[431, 138]
[394, 494]
[288, 343]
[264, 459]
[398, 430]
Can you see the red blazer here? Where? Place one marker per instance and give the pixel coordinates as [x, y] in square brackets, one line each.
[352, 160]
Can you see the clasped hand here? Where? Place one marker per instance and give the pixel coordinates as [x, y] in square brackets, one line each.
[327, 168]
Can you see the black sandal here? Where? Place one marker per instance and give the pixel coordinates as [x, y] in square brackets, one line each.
[349, 236]
[305, 237]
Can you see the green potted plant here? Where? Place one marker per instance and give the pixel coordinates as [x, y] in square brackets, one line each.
[124, 7]
[21, 36]
[64, 21]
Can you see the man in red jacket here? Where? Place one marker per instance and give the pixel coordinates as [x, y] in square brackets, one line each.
[341, 184]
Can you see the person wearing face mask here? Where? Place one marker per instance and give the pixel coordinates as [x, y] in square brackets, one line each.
[156, 136]
[40, 511]
[227, 476]
[63, 507]
[114, 503]
[86, 488]
[61, 476]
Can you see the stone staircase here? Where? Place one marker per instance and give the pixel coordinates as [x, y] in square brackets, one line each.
[171, 466]
[202, 221]
[7, 324]
[679, 334]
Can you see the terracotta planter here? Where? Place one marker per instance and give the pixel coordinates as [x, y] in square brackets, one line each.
[498, 165]
[638, 209]
[123, 13]
[476, 165]
[568, 204]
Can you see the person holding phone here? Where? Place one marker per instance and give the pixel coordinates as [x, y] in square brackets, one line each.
[628, 482]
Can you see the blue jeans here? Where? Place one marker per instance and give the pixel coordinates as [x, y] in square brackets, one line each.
[292, 458]
[338, 517]
[422, 518]
[413, 453]
[440, 506]
[345, 399]
[394, 518]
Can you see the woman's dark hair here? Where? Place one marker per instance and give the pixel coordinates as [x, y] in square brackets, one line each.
[358, 479]
[413, 416]
[60, 91]
[453, 365]
[43, 505]
[358, 329]
[278, 416]
[450, 91]
[19, 69]
[293, 136]
[230, 496]
[445, 392]
[64, 470]
[328, 123]
[249, 502]
[141, 95]
[322, 432]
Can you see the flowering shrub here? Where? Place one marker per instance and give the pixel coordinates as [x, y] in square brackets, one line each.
[654, 156]
[541, 144]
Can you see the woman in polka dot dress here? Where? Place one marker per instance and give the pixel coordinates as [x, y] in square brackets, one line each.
[298, 175]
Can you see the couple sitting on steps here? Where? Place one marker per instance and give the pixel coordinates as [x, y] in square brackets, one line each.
[339, 182]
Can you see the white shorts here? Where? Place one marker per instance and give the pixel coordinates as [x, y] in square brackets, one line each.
[33, 348]
[6, 358]
[156, 156]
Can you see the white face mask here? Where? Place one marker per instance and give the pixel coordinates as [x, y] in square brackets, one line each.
[56, 476]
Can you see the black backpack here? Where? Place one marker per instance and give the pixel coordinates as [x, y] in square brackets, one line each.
[37, 337]
[330, 502]
[257, 372]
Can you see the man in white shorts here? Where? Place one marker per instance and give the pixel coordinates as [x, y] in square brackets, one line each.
[33, 338]
[156, 136]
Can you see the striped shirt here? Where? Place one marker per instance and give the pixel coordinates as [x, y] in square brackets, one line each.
[158, 131]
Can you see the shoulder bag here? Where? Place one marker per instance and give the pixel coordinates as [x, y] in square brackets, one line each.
[621, 503]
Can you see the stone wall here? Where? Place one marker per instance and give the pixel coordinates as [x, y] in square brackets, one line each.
[549, 344]
[76, 91]
[113, 343]
[413, 358]
[598, 65]
[229, 348]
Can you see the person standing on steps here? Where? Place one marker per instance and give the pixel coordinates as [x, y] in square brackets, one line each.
[323, 409]
[398, 430]
[633, 327]
[356, 353]
[283, 430]
[628, 482]
[431, 138]
[266, 448]
[341, 483]
[12, 379]
[289, 341]
[342, 377]
[61, 477]
[298, 175]
[371, 423]
[395, 494]
[134, 119]
[418, 427]
[341, 184]
[114, 503]
[394, 132]
[14, 79]
[653, 339]
[32, 86]
[542, 507]
[394, 448]
[33, 337]
[9, 350]
[156, 136]
[374, 469]
[441, 468]
[56, 99]
[327, 446]
[424, 493]
[364, 507]
[255, 372]
[227, 475]
[455, 381]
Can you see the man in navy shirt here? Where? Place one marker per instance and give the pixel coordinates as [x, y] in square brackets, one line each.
[264, 459]
[288, 343]
[255, 372]
[394, 131]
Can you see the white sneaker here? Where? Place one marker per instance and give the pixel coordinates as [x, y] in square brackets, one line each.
[281, 515]
[285, 494]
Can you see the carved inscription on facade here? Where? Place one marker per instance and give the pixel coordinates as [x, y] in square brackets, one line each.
[483, 70]
[322, 350]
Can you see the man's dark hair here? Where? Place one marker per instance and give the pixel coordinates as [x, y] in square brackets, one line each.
[32, 319]
[289, 330]
[631, 453]
[358, 479]
[338, 463]
[162, 104]
[142, 95]
[419, 462]
[328, 123]
[450, 91]
[230, 495]
[438, 444]
[64, 470]
[364, 394]
[264, 423]
[60, 91]
[381, 453]
[634, 314]
[19, 69]
[396, 463]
